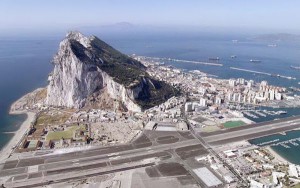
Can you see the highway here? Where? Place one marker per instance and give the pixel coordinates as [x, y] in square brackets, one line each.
[213, 152]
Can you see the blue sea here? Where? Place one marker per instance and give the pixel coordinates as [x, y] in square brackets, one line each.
[291, 149]
[25, 62]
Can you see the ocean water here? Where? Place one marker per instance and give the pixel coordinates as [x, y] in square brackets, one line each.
[25, 63]
[290, 153]
[24, 66]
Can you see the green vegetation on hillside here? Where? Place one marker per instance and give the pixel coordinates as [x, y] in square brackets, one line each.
[155, 92]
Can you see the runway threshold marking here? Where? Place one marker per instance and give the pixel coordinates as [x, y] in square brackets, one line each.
[33, 169]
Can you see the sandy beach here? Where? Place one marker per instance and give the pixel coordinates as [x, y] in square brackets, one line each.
[277, 156]
[6, 151]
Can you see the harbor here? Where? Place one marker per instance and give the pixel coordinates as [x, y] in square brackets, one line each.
[185, 61]
[195, 62]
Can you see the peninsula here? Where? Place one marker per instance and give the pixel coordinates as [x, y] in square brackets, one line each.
[110, 120]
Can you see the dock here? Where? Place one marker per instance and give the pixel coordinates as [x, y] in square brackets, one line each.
[263, 73]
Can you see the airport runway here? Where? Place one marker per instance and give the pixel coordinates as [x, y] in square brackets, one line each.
[251, 131]
[151, 148]
[148, 149]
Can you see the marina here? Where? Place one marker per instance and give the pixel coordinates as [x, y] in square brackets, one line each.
[285, 144]
[262, 113]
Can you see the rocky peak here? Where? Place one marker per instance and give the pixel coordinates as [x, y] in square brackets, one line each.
[77, 36]
[85, 65]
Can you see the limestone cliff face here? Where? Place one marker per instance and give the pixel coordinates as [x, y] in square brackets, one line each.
[85, 65]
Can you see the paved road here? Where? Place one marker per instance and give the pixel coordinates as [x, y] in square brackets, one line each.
[251, 131]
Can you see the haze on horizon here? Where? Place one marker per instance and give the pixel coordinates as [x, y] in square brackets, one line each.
[43, 16]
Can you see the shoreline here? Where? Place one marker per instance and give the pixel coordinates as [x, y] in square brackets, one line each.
[277, 157]
[18, 135]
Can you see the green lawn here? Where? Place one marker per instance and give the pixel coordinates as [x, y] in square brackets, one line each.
[67, 134]
[232, 124]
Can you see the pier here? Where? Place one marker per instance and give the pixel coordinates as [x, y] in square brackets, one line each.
[263, 73]
[184, 61]
[196, 62]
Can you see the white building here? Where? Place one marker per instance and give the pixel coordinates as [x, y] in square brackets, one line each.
[250, 83]
[232, 82]
[294, 170]
[202, 90]
[203, 102]
[278, 96]
[235, 97]
[218, 101]
[241, 81]
[188, 107]
[263, 83]
[272, 95]
[240, 98]
[229, 96]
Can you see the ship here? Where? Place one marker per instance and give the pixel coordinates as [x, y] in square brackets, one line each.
[294, 67]
[214, 59]
[255, 61]
[272, 45]
[233, 56]
[281, 112]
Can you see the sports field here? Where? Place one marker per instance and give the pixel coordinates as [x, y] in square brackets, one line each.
[232, 124]
[67, 134]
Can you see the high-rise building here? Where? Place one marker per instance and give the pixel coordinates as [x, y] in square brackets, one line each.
[235, 97]
[250, 83]
[188, 107]
[232, 82]
[272, 95]
[218, 100]
[203, 102]
[241, 81]
[278, 96]
[240, 98]
[229, 96]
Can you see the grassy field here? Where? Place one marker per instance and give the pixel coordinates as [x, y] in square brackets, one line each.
[67, 134]
[232, 124]
[297, 186]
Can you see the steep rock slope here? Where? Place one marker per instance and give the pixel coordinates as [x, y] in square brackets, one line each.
[85, 65]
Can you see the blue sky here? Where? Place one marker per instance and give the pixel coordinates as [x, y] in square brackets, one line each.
[279, 15]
